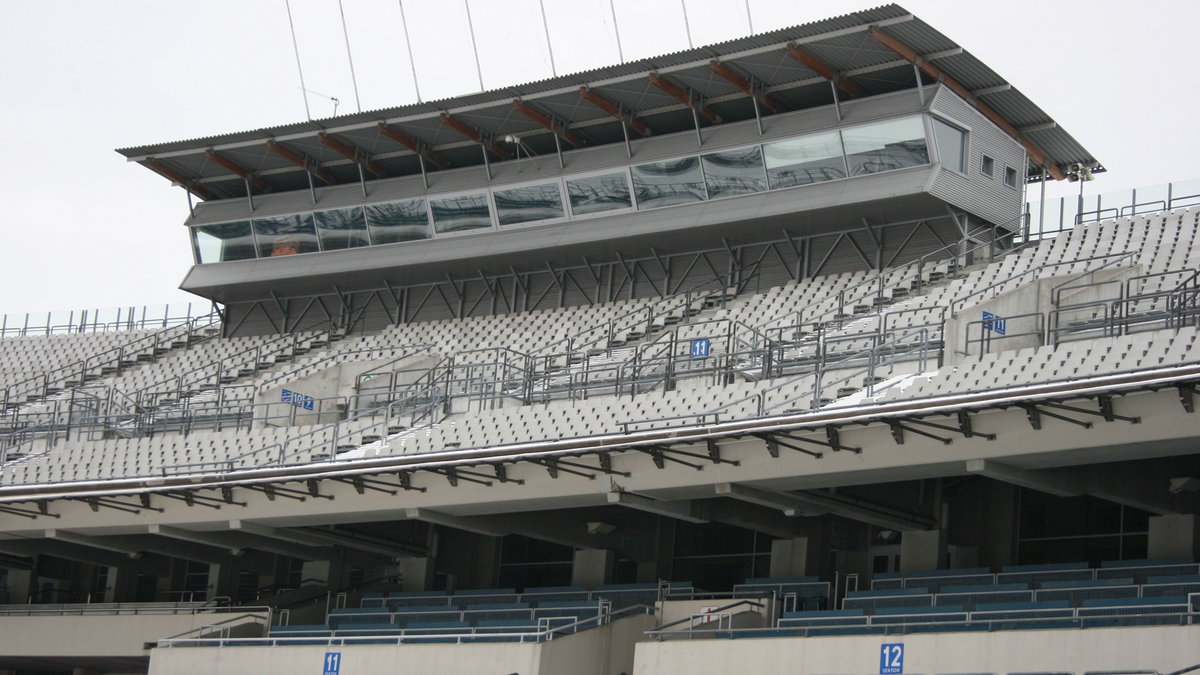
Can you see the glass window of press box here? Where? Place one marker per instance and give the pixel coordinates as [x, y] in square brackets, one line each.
[818, 157]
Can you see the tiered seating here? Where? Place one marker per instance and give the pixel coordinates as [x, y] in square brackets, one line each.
[1118, 593]
[550, 374]
[482, 615]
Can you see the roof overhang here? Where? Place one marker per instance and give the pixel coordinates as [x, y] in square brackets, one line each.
[868, 53]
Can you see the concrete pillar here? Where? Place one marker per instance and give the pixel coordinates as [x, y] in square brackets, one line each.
[109, 592]
[20, 584]
[593, 567]
[328, 572]
[223, 579]
[1174, 536]
[789, 557]
[416, 574]
[922, 550]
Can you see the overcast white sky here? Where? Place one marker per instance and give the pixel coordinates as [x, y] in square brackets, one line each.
[81, 228]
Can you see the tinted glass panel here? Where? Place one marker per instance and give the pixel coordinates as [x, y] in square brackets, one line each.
[398, 221]
[885, 146]
[464, 212]
[342, 228]
[527, 204]
[801, 161]
[952, 145]
[599, 193]
[677, 181]
[285, 235]
[223, 241]
[734, 172]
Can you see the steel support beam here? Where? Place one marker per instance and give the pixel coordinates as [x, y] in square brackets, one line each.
[239, 170]
[475, 135]
[350, 152]
[299, 160]
[823, 69]
[421, 148]
[628, 119]
[694, 101]
[905, 52]
[547, 122]
[177, 177]
[747, 85]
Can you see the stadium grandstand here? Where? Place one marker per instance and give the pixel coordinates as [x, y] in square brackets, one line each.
[752, 357]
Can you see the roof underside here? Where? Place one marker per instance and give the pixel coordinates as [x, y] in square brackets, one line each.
[355, 147]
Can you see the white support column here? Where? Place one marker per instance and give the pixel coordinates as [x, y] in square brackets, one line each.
[592, 567]
[922, 550]
[789, 557]
[1174, 536]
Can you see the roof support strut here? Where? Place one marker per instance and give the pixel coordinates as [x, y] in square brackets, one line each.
[299, 160]
[823, 69]
[747, 85]
[238, 169]
[351, 153]
[475, 135]
[694, 101]
[418, 146]
[630, 121]
[178, 178]
[1035, 154]
[547, 122]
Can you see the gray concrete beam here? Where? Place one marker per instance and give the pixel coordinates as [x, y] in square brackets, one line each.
[99, 543]
[677, 510]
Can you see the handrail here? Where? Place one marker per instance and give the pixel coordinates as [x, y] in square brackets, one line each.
[879, 280]
[246, 612]
[954, 304]
[543, 634]
[87, 363]
[739, 603]
[92, 324]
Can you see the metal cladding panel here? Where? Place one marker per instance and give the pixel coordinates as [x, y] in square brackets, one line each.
[805, 209]
[987, 197]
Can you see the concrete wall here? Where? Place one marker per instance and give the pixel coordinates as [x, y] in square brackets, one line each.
[338, 380]
[95, 635]
[1035, 297]
[1074, 651]
[602, 651]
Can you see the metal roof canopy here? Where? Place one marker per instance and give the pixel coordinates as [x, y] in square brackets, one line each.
[866, 53]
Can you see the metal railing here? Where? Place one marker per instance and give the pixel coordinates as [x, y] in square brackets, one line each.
[1058, 215]
[103, 320]
[545, 631]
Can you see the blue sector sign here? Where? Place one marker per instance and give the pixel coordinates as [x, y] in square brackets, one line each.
[701, 348]
[891, 659]
[996, 324]
[333, 663]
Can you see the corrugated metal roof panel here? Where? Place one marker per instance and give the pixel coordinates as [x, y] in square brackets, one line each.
[840, 41]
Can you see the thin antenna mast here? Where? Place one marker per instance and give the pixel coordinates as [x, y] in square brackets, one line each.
[686, 26]
[296, 48]
[749, 20]
[549, 47]
[349, 57]
[616, 29]
[474, 49]
[408, 44]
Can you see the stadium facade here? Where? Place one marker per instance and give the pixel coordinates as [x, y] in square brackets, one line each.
[747, 356]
